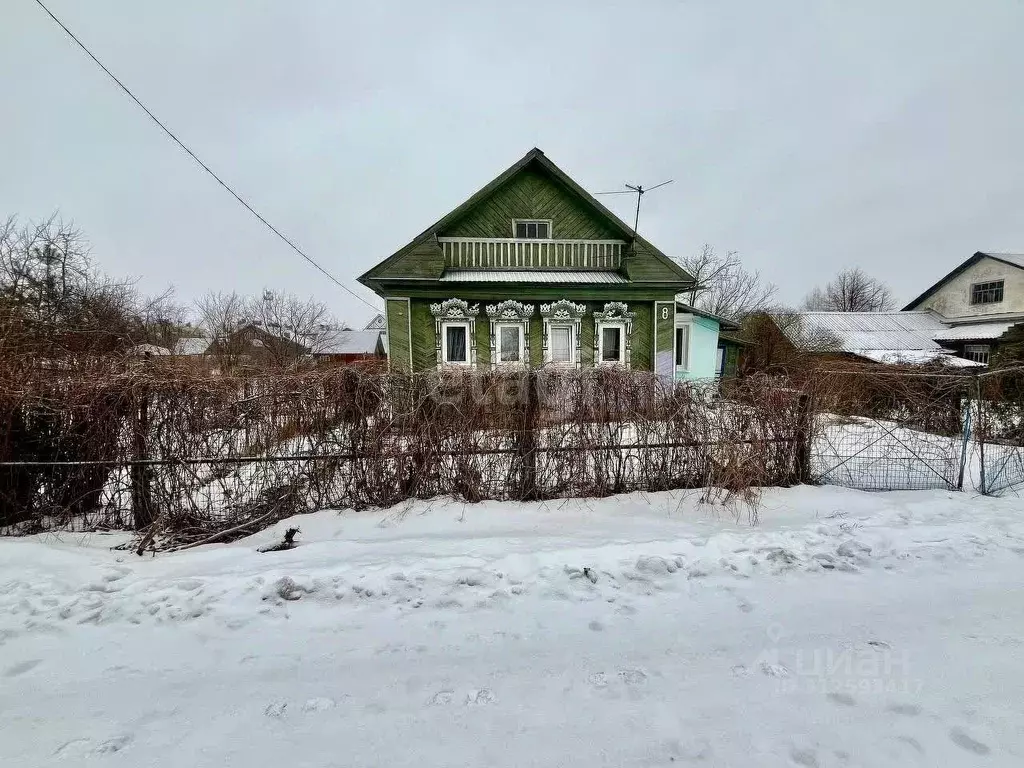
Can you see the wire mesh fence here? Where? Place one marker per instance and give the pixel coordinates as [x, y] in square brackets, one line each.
[190, 455]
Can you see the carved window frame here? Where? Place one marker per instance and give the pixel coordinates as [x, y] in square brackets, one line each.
[451, 312]
[563, 313]
[510, 313]
[615, 314]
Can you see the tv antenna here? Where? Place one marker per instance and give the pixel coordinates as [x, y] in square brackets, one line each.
[639, 190]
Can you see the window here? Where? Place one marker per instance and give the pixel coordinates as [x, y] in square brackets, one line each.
[560, 343]
[987, 293]
[456, 343]
[611, 344]
[977, 352]
[510, 343]
[529, 229]
[720, 362]
[683, 347]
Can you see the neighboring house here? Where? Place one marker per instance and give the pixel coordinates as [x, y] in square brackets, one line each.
[379, 323]
[351, 346]
[533, 270]
[191, 346]
[979, 302]
[906, 337]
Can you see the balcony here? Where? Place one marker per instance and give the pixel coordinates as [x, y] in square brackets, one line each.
[511, 253]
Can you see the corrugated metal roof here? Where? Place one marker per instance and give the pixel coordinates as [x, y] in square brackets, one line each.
[531, 276]
[973, 331]
[859, 331]
[192, 346]
[349, 343]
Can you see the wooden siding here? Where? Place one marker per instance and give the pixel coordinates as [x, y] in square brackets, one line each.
[424, 337]
[424, 260]
[643, 267]
[664, 338]
[643, 335]
[398, 334]
[532, 194]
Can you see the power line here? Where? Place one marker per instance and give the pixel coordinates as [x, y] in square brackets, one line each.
[203, 165]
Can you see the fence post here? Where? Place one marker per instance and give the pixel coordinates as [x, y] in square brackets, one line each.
[965, 431]
[804, 434]
[528, 439]
[980, 435]
[142, 500]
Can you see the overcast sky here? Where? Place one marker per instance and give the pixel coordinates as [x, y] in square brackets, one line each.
[807, 136]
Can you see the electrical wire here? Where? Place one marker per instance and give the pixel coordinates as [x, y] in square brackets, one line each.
[201, 164]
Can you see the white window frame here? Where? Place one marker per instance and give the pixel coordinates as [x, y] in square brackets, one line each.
[468, 362]
[519, 326]
[688, 325]
[975, 351]
[571, 327]
[515, 222]
[621, 327]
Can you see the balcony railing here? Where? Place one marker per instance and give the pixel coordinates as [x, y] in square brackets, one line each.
[510, 253]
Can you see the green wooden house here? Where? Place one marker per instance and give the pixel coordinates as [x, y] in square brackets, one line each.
[533, 270]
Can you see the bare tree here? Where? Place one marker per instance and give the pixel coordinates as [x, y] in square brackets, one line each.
[53, 298]
[851, 291]
[722, 286]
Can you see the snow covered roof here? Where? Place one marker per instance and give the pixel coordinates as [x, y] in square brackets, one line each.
[973, 331]
[149, 349]
[350, 343]
[1012, 258]
[192, 345]
[868, 330]
[913, 357]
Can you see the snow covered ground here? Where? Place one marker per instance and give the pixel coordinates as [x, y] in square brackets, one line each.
[848, 629]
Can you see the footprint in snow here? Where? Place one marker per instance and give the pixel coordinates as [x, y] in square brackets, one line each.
[633, 676]
[22, 667]
[318, 704]
[442, 698]
[598, 679]
[963, 740]
[910, 710]
[276, 709]
[479, 698]
[79, 748]
[842, 698]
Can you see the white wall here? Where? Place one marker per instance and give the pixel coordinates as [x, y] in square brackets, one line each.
[954, 298]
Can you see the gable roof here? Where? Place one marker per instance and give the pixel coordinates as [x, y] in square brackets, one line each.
[534, 157]
[345, 342]
[1013, 259]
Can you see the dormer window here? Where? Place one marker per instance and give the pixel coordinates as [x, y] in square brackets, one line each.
[531, 229]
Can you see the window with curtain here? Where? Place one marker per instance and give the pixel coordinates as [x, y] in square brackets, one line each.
[611, 344]
[560, 343]
[456, 341]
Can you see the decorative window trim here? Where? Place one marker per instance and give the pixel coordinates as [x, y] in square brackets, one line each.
[563, 312]
[451, 312]
[620, 326]
[617, 314]
[512, 313]
[532, 221]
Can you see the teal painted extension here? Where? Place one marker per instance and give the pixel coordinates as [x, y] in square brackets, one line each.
[533, 271]
[700, 351]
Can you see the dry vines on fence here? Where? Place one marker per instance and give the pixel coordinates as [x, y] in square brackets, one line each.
[160, 447]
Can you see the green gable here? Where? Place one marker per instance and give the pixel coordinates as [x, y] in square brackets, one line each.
[615, 285]
[533, 188]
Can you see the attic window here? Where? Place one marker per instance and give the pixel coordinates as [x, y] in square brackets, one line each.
[987, 293]
[531, 229]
